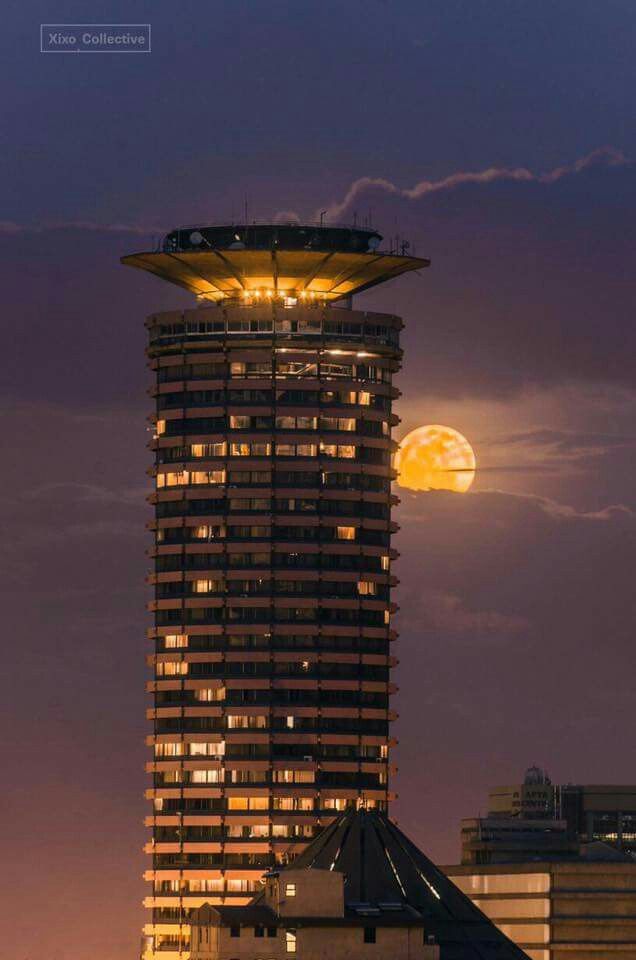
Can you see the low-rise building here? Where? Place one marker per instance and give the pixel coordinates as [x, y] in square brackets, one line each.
[360, 891]
[581, 909]
[605, 812]
[509, 839]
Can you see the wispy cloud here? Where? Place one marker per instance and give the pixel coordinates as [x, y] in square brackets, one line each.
[412, 503]
[12, 228]
[549, 451]
[73, 492]
[435, 611]
[606, 156]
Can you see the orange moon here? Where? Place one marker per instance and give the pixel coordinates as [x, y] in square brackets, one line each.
[434, 457]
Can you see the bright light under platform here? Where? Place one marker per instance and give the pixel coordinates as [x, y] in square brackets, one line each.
[434, 457]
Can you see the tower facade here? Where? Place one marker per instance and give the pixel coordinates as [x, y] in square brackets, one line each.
[271, 563]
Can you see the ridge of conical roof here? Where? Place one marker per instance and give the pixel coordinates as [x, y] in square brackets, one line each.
[382, 865]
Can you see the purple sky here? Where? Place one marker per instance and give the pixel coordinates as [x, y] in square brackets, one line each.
[497, 136]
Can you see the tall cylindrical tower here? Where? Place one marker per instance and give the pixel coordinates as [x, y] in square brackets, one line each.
[272, 555]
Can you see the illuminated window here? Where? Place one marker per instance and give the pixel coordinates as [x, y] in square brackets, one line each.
[240, 423]
[387, 618]
[285, 423]
[386, 563]
[240, 722]
[364, 398]
[206, 776]
[208, 450]
[172, 776]
[290, 941]
[290, 889]
[294, 776]
[289, 723]
[296, 368]
[336, 370]
[523, 883]
[207, 586]
[250, 449]
[305, 804]
[237, 369]
[367, 588]
[208, 532]
[205, 885]
[345, 533]
[207, 476]
[160, 427]
[175, 640]
[171, 668]
[210, 694]
[242, 886]
[168, 749]
[248, 803]
[335, 803]
[207, 749]
[173, 479]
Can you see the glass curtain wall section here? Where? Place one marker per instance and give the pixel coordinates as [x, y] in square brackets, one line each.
[271, 571]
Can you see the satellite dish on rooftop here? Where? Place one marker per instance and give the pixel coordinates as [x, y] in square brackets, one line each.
[196, 238]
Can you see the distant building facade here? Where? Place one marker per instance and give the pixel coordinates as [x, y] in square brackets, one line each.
[534, 798]
[509, 840]
[584, 909]
[538, 819]
[600, 812]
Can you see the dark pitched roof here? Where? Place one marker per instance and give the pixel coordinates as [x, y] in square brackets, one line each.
[382, 866]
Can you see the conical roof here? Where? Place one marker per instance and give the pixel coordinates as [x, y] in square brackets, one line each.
[383, 868]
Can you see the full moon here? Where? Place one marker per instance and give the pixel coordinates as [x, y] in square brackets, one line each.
[435, 458]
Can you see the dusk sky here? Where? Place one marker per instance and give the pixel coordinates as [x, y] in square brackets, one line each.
[498, 137]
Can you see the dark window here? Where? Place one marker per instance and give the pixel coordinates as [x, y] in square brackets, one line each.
[369, 934]
[235, 931]
[271, 931]
[259, 931]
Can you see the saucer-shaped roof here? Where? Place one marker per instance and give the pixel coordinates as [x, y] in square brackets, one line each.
[384, 871]
[290, 260]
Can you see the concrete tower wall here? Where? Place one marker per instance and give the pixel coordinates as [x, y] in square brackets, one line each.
[272, 591]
